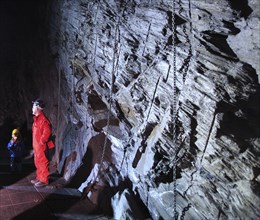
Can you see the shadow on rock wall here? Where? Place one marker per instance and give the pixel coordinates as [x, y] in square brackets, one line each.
[92, 156]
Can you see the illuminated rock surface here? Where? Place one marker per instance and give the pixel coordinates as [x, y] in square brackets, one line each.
[115, 60]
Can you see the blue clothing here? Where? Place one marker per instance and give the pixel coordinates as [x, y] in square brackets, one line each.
[15, 148]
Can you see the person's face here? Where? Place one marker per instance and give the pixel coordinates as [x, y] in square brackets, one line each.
[35, 110]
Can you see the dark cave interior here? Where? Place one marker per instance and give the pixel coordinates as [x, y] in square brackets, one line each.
[23, 31]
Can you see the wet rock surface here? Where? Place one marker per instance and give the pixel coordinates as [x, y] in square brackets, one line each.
[126, 49]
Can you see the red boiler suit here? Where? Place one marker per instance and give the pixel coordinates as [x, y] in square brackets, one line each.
[41, 132]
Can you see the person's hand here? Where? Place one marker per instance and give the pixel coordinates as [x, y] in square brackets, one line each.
[12, 140]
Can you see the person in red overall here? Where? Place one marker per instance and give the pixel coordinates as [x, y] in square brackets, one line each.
[41, 133]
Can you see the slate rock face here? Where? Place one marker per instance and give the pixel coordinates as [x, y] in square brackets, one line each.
[173, 86]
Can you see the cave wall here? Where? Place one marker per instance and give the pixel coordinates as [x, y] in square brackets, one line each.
[125, 79]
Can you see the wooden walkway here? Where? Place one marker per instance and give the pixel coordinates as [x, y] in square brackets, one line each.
[19, 199]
